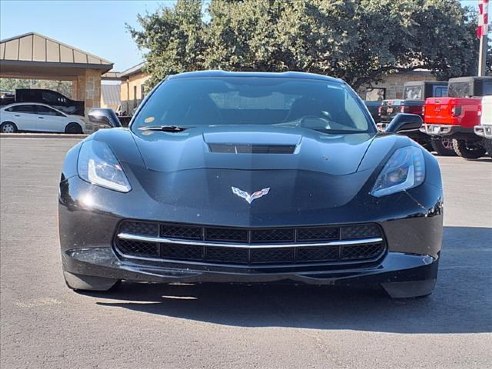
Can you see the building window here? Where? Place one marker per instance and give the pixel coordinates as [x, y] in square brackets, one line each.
[142, 91]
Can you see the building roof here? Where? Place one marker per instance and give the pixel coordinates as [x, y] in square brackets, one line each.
[35, 48]
[111, 76]
[133, 70]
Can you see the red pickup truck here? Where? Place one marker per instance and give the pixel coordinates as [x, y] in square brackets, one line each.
[414, 95]
[456, 116]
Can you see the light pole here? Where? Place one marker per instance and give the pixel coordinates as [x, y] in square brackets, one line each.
[483, 27]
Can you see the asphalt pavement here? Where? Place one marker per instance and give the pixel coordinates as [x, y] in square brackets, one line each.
[46, 325]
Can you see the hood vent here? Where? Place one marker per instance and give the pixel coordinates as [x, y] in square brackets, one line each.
[251, 149]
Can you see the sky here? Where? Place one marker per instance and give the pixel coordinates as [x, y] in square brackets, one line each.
[95, 26]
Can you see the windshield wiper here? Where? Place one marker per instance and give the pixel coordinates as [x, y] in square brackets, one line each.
[165, 128]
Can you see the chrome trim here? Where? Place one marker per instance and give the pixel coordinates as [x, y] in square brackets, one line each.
[186, 263]
[132, 237]
[483, 130]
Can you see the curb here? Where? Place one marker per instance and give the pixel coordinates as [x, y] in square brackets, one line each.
[42, 135]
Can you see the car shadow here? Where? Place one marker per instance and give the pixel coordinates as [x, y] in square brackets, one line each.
[460, 304]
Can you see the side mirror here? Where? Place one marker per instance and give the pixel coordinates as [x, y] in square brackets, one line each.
[95, 116]
[404, 122]
[104, 116]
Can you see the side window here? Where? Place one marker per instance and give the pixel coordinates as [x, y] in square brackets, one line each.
[27, 109]
[49, 97]
[440, 91]
[44, 110]
[487, 88]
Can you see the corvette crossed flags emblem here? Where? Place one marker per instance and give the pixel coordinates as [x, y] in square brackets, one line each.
[250, 198]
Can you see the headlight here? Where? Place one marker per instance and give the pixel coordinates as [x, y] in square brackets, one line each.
[98, 165]
[405, 169]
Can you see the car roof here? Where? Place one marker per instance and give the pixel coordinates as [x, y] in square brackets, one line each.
[223, 74]
[32, 103]
[418, 83]
[469, 79]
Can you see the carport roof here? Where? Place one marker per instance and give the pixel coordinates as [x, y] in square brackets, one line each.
[35, 54]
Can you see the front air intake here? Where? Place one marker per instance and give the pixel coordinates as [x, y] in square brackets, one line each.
[251, 149]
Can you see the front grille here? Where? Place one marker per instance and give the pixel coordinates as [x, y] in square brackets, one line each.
[132, 247]
[179, 231]
[262, 246]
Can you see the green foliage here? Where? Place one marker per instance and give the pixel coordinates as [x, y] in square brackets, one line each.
[174, 37]
[11, 84]
[358, 40]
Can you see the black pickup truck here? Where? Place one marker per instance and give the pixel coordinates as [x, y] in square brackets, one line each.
[48, 97]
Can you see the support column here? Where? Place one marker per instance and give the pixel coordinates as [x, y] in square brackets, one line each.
[87, 88]
[74, 90]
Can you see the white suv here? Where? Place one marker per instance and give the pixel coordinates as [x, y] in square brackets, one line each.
[484, 129]
[38, 117]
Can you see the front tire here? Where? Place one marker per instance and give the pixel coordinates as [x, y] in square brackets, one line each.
[73, 128]
[443, 146]
[79, 282]
[467, 149]
[487, 145]
[8, 127]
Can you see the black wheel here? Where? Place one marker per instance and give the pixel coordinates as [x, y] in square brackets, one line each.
[8, 127]
[427, 145]
[487, 145]
[80, 282]
[468, 149]
[443, 146]
[73, 128]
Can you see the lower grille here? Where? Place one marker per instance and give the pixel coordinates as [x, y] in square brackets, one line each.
[237, 246]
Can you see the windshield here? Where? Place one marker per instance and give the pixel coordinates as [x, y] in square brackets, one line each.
[316, 104]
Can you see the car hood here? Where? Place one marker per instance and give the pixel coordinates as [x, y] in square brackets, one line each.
[199, 168]
[252, 148]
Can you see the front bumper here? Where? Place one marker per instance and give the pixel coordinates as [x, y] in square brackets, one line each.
[483, 131]
[103, 262]
[412, 232]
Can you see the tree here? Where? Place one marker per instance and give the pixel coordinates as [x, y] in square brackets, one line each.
[358, 40]
[174, 38]
[11, 84]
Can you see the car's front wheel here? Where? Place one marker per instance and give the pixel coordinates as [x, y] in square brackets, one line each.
[487, 144]
[8, 127]
[89, 283]
[73, 128]
[468, 150]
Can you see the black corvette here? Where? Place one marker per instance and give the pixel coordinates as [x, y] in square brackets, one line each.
[252, 177]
